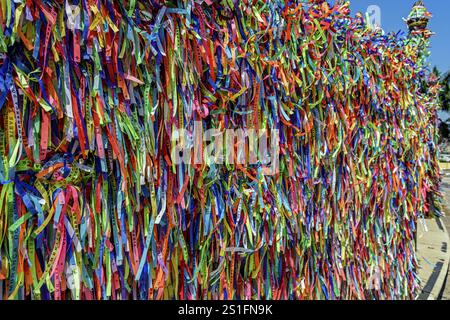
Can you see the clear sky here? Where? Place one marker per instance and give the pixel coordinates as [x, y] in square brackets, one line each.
[392, 12]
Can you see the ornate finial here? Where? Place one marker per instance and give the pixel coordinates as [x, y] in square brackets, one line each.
[419, 17]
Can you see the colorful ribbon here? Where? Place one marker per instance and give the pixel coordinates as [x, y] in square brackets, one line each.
[93, 206]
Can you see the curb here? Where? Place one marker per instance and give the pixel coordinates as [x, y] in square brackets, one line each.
[434, 256]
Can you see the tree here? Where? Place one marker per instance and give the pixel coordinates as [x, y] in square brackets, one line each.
[444, 131]
[445, 92]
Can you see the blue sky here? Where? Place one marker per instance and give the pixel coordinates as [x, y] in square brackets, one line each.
[392, 12]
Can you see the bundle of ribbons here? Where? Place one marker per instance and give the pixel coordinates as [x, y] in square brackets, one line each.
[93, 206]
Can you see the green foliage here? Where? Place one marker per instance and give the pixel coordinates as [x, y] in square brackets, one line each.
[445, 92]
[444, 131]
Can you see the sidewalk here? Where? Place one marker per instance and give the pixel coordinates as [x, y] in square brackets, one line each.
[433, 252]
[445, 293]
[433, 255]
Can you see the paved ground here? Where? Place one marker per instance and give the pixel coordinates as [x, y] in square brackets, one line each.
[433, 256]
[433, 253]
[445, 293]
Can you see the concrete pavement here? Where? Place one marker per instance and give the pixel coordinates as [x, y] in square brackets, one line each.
[445, 293]
[433, 251]
[445, 188]
[433, 256]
